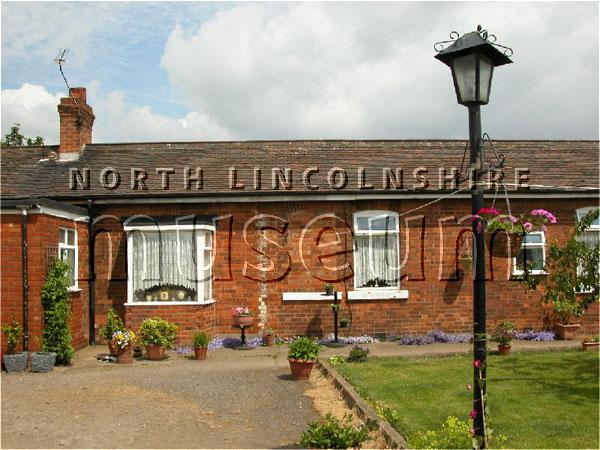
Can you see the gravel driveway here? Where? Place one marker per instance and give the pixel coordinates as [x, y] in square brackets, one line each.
[234, 399]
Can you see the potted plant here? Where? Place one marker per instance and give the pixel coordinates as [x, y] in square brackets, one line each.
[571, 285]
[268, 336]
[504, 334]
[328, 289]
[590, 342]
[344, 323]
[358, 354]
[242, 316]
[14, 362]
[113, 324]
[156, 335]
[302, 355]
[499, 227]
[123, 340]
[200, 344]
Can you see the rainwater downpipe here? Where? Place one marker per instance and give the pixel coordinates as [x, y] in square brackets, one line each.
[25, 273]
[91, 274]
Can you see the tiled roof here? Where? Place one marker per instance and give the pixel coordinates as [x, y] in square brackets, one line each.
[26, 172]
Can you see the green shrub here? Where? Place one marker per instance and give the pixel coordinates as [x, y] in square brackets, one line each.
[358, 354]
[330, 432]
[157, 331]
[13, 332]
[113, 323]
[201, 340]
[454, 433]
[57, 311]
[303, 348]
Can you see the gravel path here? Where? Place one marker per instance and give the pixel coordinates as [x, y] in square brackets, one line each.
[234, 399]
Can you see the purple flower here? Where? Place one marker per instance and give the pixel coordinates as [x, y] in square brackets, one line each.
[528, 226]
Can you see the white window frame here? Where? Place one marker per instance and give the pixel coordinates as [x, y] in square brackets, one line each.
[200, 248]
[580, 214]
[67, 246]
[396, 231]
[542, 245]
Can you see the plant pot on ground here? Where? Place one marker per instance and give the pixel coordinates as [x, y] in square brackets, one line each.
[113, 324]
[200, 344]
[13, 361]
[590, 342]
[268, 336]
[504, 334]
[565, 331]
[124, 340]
[43, 361]
[156, 335]
[302, 355]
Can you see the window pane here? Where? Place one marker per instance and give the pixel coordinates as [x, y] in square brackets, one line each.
[70, 237]
[376, 223]
[62, 236]
[376, 261]
[164, 266]
[534, 258]
[533, 238]
[208, 239]
[68, 255]
[590, 238]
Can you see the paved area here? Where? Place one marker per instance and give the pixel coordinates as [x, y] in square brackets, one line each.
[234, 399]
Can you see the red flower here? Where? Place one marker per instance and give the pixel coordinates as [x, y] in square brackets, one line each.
[473, 414]
[477, 363]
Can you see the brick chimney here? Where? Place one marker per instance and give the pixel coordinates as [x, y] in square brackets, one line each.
[76, 121]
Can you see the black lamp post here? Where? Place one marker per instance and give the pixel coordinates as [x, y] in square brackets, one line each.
[472, 58]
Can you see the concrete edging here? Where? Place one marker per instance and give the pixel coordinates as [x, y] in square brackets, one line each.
[365, 411]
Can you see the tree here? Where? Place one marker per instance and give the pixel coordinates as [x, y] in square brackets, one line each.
[14, 138]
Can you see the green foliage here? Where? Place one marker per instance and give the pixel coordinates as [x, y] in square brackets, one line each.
[157, 331]
[14, 138]
[330, 432]
[358, 354]
[572, 269]
[336, 360]
[113, 324]
[303, 348]
[57, 311]
[201, 339]
[504, 333]
[269, 332]
[454, 433]
[12, 331]
[376, 282]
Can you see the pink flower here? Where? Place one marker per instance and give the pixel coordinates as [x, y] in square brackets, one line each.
[477, 363]
[472, 431]
[469, 387]
[528, 226]
[492, 210]
[513, 219]
[473, 414]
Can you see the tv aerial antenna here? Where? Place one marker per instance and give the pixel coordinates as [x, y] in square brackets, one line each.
[61, 60]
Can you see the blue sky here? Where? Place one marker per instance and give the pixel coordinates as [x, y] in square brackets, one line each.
[168, 71]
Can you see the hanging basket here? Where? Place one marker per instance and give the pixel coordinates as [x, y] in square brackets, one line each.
[504, 245]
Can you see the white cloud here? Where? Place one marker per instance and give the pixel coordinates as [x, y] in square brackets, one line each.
[117, 120]
[317, 70]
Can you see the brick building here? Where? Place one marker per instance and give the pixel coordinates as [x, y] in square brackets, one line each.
[186, 231]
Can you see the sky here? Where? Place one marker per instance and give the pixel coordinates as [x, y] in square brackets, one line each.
[194, 71]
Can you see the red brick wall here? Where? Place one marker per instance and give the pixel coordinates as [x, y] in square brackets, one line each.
[43, 231]
[437, 300]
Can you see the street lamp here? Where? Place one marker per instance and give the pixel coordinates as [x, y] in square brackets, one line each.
[472, 58]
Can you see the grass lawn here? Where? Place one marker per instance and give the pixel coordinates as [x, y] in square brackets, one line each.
[536, 399]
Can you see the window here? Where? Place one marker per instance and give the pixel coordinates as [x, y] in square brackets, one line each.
[590, 236]
[67, 251]
[532, 253]
[170, 263]
[376, 249]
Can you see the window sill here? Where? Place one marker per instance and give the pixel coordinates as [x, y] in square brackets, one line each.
[74, 290]
[308, 296]
[207, 302]
[520, 274]
[378, 294]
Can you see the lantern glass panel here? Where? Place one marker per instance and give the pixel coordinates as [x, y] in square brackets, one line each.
[486, 69]
[464, 69]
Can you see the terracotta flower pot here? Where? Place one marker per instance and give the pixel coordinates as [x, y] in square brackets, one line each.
[125, 355]
[301, 368]
[503, 349]
[566, 332]
[590, 345]
[268, 340]
[113, 348]
[200, 353]
[155, 352]
[504, 245]
[243, 320]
